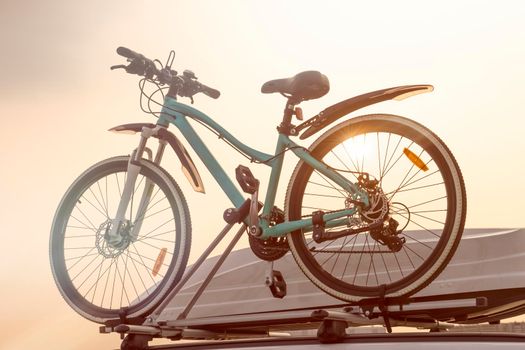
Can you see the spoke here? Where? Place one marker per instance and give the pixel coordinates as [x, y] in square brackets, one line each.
[429, 211]
[382, 170]
[403, 183]
[424, 228]
[143, 263]
[160, 239]
[429, 201]
[149, 206]
[124, 281]
[407, 247]
[323, 195]
[417, 240]
[406, 175]
[92, 272]
[158, 234]
[421, 178]
[131, 278]
[412, 189]
[318, 184]
[399, 265]
[106, 284]
[103, 204]
[81, 228]
[371, 262]
[426, 217]
[151, 245]
[363, 155]
[80, 236]
[158, 227]
[344, 164]
[398, 158]
[329, 183]
[146, 267]
[378, 155]
[356, 167]
[95, 284]
[101, 211]
[122, 284]
[81, 257]
[92, 228]
[85, 216]
[409, 259]
[358, 263]
[107, 197]
[326, 245]
[349, 256]
[148, 258]
[387, 164]
[315, 208]
[138, 273]
[157, 212]
[74, 248]
[114, 280]
[337, 258]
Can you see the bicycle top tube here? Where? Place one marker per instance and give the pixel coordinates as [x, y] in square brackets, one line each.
[172, 107]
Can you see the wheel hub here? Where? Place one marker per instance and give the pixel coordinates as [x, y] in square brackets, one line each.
[112, 248]
[379, 212]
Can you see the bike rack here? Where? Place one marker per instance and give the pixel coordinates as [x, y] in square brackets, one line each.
[331, 324]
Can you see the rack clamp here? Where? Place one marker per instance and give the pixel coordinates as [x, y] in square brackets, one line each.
[382, 303]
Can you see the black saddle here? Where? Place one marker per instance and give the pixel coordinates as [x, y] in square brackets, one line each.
[304, 86]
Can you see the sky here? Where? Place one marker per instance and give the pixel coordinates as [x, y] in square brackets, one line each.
[58, 98]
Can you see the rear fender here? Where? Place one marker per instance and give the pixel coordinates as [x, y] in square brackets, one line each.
[332, 113]
[187, 165]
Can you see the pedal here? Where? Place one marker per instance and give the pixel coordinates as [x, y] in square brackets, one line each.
[245, 178]
[250, 184]
[278, 286]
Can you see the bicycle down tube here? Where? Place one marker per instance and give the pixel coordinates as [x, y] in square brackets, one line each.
[175, 113]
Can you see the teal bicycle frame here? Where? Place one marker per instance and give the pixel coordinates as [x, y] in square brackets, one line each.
[176, 113]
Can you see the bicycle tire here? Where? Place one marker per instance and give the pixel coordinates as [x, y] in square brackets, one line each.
[79, 226]
[355, 286]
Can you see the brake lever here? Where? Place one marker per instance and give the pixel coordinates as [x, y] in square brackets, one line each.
[123, 66]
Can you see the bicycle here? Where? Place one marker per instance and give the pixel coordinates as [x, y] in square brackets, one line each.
[374, 208]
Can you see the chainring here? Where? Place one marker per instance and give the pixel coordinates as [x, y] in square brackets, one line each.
[272, 248]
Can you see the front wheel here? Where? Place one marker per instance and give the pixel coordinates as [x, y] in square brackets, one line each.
[98, 278]
[416, 189]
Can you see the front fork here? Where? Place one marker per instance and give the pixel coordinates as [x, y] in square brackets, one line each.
[119, 223]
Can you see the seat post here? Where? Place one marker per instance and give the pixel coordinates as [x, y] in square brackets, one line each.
[286, 125]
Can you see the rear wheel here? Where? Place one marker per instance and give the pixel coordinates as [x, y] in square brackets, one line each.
[420, 186]
[99, 279]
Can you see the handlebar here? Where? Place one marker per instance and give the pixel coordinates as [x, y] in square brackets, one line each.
[185, 85]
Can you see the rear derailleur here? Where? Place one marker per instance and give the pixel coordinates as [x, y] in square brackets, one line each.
[374, 218]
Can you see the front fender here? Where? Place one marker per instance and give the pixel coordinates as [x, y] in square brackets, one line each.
[332, 113]
[188, 167]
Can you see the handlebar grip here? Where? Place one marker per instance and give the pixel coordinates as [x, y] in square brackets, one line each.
[124, 51]
[208, 91]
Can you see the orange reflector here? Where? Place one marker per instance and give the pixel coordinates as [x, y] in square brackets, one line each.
[415, 159]
[159, 261]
